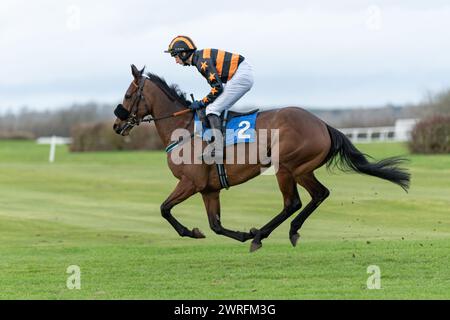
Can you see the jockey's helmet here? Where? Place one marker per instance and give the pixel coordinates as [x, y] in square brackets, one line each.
[181, 46]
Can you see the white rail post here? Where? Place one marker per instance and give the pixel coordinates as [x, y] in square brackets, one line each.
[369, 135]
[51, 157]
[355, 135]
[53, 141]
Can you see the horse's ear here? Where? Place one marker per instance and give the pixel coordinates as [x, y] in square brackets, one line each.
[135, 72]
[142, 71]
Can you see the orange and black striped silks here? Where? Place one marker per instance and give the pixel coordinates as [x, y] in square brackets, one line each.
[217, 66]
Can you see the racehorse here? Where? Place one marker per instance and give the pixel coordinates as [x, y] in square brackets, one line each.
[305, 144]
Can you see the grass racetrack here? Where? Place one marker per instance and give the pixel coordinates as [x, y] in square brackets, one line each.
[100, 211]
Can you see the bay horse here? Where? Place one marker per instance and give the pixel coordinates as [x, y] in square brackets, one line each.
[305, 144]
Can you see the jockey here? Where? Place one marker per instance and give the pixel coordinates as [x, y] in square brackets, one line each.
[229, 75]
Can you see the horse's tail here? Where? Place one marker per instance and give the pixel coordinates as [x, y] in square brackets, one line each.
[345, 156]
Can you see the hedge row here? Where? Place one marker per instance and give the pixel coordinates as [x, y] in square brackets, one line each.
[16, 135]
[431, 135]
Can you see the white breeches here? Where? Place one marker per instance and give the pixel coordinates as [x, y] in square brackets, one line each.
[233, 90]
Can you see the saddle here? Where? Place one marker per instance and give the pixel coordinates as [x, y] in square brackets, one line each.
[225, 116]
[232, 114]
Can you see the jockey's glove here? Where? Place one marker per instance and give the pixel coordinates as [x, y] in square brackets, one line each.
[197, 104]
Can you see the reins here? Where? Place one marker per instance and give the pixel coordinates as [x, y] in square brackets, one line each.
[175, 114]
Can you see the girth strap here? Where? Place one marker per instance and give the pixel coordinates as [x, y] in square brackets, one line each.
[222, 175]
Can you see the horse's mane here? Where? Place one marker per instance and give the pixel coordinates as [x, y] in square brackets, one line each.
[172, 91]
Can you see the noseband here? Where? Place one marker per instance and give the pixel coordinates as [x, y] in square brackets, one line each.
[131, 116]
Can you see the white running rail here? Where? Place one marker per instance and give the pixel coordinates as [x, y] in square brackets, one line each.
[401, 132]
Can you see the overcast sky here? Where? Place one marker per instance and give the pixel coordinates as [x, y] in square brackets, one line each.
[307, 53]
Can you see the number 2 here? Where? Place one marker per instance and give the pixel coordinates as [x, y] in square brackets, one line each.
[246, 125]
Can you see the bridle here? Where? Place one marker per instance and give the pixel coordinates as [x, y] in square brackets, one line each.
[131, 117]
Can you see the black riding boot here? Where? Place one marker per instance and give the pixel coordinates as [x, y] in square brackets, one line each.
[216, 140]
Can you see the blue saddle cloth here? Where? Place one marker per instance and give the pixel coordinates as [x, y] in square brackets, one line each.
[239, 129]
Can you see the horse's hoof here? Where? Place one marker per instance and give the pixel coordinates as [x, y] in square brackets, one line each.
[294, 238]
[255, 246]
[253, 231]
[197, 234]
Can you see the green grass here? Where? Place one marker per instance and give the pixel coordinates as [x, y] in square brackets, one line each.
[100, 211]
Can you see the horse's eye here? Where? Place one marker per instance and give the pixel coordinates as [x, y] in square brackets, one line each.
[127, 96]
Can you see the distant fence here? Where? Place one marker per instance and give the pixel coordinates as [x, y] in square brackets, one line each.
[399, 133]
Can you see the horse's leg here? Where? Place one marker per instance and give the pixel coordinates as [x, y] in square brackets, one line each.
[212, 205]
[292, 203]
[184, 189]
[318, 194]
